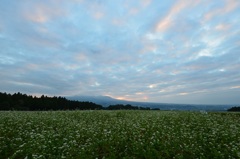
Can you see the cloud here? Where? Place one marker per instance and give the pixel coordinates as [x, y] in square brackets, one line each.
[166, 22]
[222, 27]
[235, 87]
[229, 6]
[136, 50]
[41, 12]
[146, 3]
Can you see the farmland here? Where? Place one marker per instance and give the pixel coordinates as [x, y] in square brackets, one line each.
[119, 134]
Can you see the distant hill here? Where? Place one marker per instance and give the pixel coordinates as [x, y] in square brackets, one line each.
[106, 101]
[102, 100]
[19, 101]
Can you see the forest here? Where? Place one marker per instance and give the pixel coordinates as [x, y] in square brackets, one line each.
[234, 109]
[19, 101]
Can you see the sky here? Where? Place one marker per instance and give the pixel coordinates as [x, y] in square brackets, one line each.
[172, 51]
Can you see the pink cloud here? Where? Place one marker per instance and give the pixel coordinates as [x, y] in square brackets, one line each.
[133, 11]
[167, 21]
[146, 3]
[149, 48]
[118, 22]
[230, 5]
[98, 15]
[42, 42]
[42, 13]
[96, 10]
[222, 27]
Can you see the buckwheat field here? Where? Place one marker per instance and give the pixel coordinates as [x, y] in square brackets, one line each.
[119, 134]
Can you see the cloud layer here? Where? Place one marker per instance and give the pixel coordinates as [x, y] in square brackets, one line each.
[144, 50]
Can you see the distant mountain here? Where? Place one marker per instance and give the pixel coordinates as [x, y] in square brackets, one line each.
[102, 100]
[106, 101]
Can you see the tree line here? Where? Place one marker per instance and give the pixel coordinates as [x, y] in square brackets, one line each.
[19, 101]
[234, 109]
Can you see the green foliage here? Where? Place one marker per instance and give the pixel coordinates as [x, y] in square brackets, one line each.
[119, 134]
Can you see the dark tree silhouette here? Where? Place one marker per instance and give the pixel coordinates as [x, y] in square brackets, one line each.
[234, 109]
[19, 101]
[125, 107]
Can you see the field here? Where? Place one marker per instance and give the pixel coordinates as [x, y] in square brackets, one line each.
[119, 134]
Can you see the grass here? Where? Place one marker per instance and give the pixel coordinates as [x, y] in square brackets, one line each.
[119, 134]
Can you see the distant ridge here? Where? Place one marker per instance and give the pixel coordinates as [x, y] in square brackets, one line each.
[102, 100]
[106, 101]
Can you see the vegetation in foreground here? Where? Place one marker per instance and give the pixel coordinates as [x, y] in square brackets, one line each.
[119, 134]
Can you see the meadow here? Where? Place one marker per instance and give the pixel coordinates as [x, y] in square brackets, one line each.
[119, 134]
